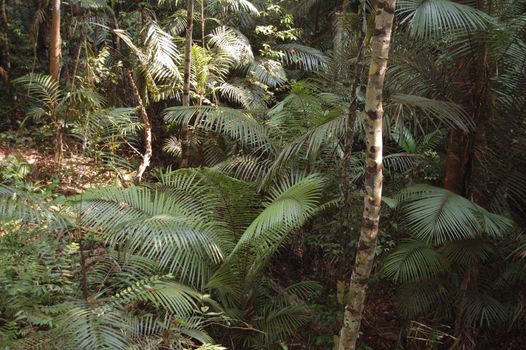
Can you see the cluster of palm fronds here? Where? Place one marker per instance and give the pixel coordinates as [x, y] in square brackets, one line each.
[175, 260]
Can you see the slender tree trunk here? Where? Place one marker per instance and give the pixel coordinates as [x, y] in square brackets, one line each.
[54, 69]
[474, 187]
[81, 43]
[5, 62]
[203, 23]
[5, 57]
[185, 139]
[55, 40]
[148, 151]
[384, 16]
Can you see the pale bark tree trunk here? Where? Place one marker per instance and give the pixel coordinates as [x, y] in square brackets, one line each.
[148, 150]
[380, 42]
[185, 140]
[55, 45]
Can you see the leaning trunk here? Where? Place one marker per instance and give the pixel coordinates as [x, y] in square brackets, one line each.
[186, 82]
[384, 16]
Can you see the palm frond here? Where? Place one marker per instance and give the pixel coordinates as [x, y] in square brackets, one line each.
[414, 261]
[43, 89]
[159, 226]
[290, 204]
[301, 56]
[234, 123]
[437, 216]
[447, 113]
[434, 18]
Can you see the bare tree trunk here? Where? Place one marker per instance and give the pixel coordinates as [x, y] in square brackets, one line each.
[5, 57]
[55, 40]
[384, 16]
[185, 147]
[148, 151]
[54, 69]
[203, 23]
[5, 62]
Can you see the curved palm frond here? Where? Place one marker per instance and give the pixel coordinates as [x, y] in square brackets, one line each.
[32, 209]
[43, 90]
[232, 42]
[437, 216]
[246, 168]
[423, 297]
[434, 18]
[231, 122]
[250, 96]
[447, 113]
[268, 72]
[301, 56]
[414, 261]
[290, 204]
[152, 223]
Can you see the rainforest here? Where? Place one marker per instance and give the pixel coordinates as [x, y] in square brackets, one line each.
[262, 174]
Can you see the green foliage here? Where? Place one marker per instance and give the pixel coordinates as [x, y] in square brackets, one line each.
[225, 252]
[452, 238]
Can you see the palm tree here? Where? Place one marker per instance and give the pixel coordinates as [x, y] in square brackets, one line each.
[191, 248]
[448, 234]
[49, 100]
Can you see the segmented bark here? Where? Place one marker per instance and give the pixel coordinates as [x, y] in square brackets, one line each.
[380, 42]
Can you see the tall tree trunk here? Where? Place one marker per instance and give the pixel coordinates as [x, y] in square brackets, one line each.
[55, 40]
[384, 16]
[148, 134]
[474, 187]
[185, 140]
[54, 69]
[148, 151]
[5, 62]
[203, 24]
[5, 57]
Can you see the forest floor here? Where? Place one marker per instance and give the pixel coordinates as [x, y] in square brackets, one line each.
[76, 174]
